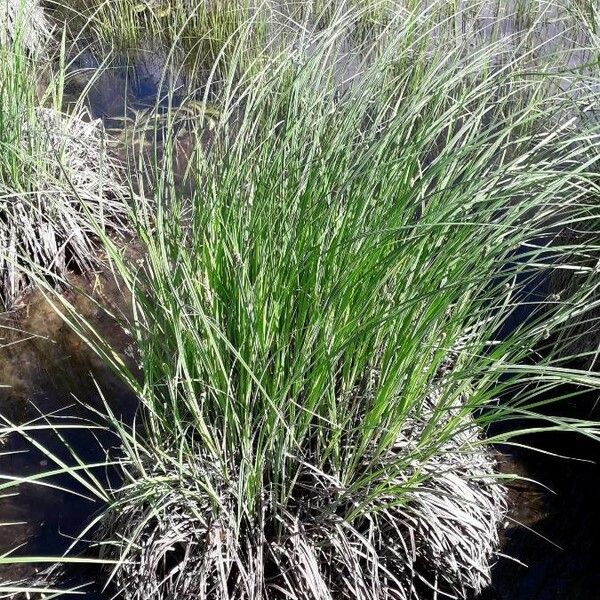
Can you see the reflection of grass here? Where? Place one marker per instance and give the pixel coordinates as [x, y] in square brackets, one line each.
[316, 317]
[588, 15]
[201, 28]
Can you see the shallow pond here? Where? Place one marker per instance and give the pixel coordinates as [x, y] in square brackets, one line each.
[44, 364]
[48, 371]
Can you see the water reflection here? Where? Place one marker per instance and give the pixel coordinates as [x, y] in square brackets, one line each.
[46, 370]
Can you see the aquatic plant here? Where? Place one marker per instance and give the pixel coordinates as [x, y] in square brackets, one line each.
[324, 320]
[201, 29]
[55, 177]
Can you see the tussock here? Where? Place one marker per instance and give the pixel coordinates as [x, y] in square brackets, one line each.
[326, 540]
[323, 323]
[74, 189]
[24, 19]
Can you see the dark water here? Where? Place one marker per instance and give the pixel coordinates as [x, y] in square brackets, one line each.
[552, 542]
[558, 542]
[560, 552]
[571, 570]
[46, 370]
[45, 519]
[123, 85]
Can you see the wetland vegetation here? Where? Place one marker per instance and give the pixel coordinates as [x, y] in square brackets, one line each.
[328, 263]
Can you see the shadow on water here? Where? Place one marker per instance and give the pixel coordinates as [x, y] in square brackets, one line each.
[551, 541]
[555, 536]
[148, 111]
[43, 520]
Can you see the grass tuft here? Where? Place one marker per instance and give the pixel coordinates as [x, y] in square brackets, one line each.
[337, 309]
[24, 22]
[55, 177]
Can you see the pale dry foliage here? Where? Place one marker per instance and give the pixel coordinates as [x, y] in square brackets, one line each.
[74, 190]
[191, 538]
[24, 18]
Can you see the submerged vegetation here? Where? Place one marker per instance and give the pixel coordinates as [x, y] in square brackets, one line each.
[339, 299]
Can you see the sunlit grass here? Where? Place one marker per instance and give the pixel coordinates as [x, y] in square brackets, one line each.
[200, 29]
[54, 173]
[323, 316]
